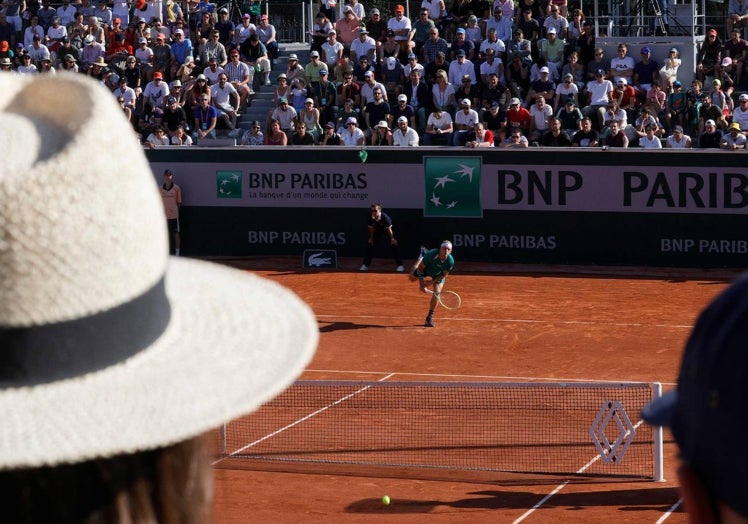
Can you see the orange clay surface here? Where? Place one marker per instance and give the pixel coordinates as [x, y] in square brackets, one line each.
[516, 322]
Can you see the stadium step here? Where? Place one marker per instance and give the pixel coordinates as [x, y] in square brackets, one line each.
[262, 100]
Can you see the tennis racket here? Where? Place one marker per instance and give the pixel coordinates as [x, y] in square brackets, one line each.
[448, 299]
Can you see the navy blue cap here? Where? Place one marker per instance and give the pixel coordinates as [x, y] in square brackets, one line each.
[707, 411]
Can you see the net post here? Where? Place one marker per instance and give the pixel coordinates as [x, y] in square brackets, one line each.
[223, 438]
[659, 467]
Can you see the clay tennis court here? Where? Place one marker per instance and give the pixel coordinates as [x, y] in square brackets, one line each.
[514, 325]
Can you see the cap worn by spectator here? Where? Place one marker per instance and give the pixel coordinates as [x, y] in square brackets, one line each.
[461, 52]
[621, 82]
[283, 100]
[383, 124]
[494, 105]
[712, 32]
[362, 31]
[314, 54]
[330, 125]
[601, 72]
[369, 74]
[293, 56]
[171, 100]
[411, 56]
[176, 83]
[706, 410]
[399, 9]
[461, 31]
[678, 129]
[552, 31]
[514, 101]
[374, 11]
[544, 69]
[726, 61]
[402, 119]
[122, 79]
[142, 40]
[201, 77]
[347, 9]
[570, 101]
[673, 50]
[351, 120]
[465, 102]
[349, 101]
[402, 98]
[716, 82]
[646, 51]
[158, 75]
[390, 32]
[117, 21]
[677, 83]
[88, 40]
[323, 71]
[735, 126]
[178, 32]
[70, 363]
[309, 101]
[710, 122]
[282, 75]
[743, 97]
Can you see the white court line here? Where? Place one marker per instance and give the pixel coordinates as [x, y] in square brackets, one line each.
[562, 485]
[669, 512]
[391, 374]
[297, 422]
[528, 321]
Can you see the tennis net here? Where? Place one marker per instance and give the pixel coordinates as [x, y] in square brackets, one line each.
[569, 429]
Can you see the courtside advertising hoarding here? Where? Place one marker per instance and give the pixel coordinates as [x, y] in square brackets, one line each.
[562, 206]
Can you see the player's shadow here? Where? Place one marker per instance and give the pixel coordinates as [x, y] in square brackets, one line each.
[658, 499]
[346, 326]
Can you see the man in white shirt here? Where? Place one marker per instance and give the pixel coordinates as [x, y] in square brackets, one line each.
[740, 113]
[156, 91]
[438, 128]
[400, 25]
[465, 121]
[622, 66]
[404, 136]
[332, 49]
[597, 91]
[364, 45]
[221, 94]
[351, 134]
[458, 68]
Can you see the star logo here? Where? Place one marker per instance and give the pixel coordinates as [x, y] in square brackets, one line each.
[452, 187]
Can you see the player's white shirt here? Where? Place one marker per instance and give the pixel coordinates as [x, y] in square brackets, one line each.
[211, 75]
[128, 94]
[156, 94]
[621, 64]
[363, 48]
[144, 55]
[599, 92]
[57, 33]
[469, 119]
[221, 96]
[396, 25]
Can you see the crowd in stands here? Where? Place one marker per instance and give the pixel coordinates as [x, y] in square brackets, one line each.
[470, 74]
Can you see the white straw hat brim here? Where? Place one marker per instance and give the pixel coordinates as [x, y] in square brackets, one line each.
[234, 341]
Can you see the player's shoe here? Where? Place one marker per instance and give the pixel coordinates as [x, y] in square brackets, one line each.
[363, 267]
[429, 321]
[400, 269]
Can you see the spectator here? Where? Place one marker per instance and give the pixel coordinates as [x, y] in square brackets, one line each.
[622, 66]
[556, 22]
[376, 110]
[131, 454]
[332, 50]
[392, 76]
[239, 76]
[364, 45]
[519, 47]
[570, 117]
[646, 72]
[310, 115]
[225, 28]
[650, 140]
[421, 28]
[707, 408]
[494, 120]
[327, 7]
[543, 87]
[181, 137]
[346, 29]
[224, 96]
[358, 9]
[312, 69]
[737, 15]
[740, 113]
[181, 49]
[276, 136]
[518, 116]
[491, 65]
[586, 136]
[464, 122]
[213, 49]
[439, 64]
[518, 77]
[255, 54]
[174, 116]
[709, 55]
[301, 137]
[677, 106]
[539, 123]
[267, 34]
[376, 26]
[625, 96]
[321, 27]
[552, 49]
[439, 128]
[285, 115]
[369, 87]
[434, 45]
[530, 26]
[576, 69]
[555, 136]
[711, 138]
[330, 137]
[499, 28]
[294, 70]
[598, 94]
[669, 70]
[597, 63]
[206, 119]
[351, 135]
[616, 137]
[678, 140]
[404, 135]
[244, 30]
[494, 92]
[382, 136]
[401, 26]
[419, 98]
[479, 137]
[720, 93]
[733, 139]
[157, 138]
[515, 140]
[254, 135]
[565, 91]
[737, 49]
[325, 97]
[646, 118]
[465, 89]
[709, 111]
[403, 109]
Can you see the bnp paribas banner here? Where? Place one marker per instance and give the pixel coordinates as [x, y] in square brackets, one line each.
[463, 185]
[452, 187]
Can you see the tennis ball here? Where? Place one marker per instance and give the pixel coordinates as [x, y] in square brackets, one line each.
[386, 500]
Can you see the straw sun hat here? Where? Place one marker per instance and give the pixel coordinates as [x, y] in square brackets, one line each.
[107, 345]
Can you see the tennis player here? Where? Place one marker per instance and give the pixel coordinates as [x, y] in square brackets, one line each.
[434, 263]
